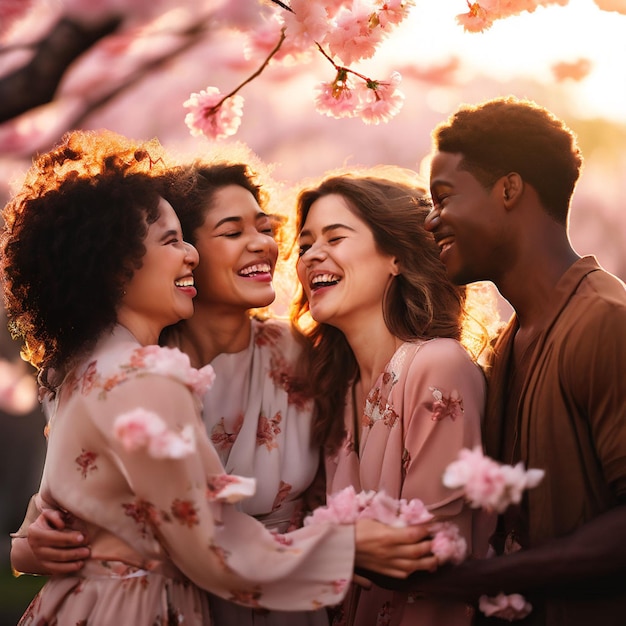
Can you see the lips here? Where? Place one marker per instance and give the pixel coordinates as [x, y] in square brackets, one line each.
[186, 285]
[444, 240]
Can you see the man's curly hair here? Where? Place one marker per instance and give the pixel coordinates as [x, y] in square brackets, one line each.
[508, 134]
[73, 237]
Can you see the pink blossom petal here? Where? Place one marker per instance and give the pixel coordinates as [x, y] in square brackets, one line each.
[212, 116]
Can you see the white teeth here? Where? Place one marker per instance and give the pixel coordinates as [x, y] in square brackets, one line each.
[184, 282]
[325, 278]
[260, 268]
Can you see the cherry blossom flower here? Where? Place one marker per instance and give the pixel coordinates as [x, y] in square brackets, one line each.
[201, 380]
[262, 40]
[508, 607]
[347, 506]
[306, 23]
[619, 6]
[380, 101]
[576, 70]
[352, 37]
[336, 99]
[482, 14]
[212, 115]
[448, 545]
[488, 484]
[394, 11]
[174, 363]
[140, 429]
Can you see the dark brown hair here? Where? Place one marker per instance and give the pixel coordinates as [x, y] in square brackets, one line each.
[72, 239]
[420, 303]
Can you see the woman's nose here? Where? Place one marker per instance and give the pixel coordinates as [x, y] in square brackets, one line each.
[315, 252]
[191, 255]
[259, 242]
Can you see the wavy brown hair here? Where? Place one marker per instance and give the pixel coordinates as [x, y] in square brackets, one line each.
[420, 303]
[73, 237]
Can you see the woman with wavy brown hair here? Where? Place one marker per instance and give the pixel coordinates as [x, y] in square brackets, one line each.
[398, 395]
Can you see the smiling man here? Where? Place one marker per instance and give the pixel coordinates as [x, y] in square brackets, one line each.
[502, 177]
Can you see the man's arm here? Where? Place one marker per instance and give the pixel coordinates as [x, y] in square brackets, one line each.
[594, 551]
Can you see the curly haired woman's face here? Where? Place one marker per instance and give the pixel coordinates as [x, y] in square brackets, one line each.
[161, 291]
[237, 252]
[343, 274]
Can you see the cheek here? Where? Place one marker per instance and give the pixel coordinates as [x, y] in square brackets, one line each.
[273, 251]
[301, 271]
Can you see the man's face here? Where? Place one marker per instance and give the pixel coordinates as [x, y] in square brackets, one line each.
[467, 221]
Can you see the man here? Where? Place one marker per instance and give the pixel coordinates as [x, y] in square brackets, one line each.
[502, 177]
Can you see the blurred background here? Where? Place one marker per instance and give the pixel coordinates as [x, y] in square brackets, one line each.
[130, 65]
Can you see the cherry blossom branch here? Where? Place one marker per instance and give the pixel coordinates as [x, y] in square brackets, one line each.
[342, 68]
[283, 5]
[254, 75]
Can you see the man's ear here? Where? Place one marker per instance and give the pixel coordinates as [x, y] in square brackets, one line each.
[512, 185]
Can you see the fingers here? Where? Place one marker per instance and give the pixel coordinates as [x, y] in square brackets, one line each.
[58, 567]
[59, 549]
[366, 583]
[393, 551]
[54, 518]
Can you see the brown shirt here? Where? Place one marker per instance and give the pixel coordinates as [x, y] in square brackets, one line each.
[571, 416]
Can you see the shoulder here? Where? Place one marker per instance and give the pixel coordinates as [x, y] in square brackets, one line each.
[444, 350]
[442, 358]
[121, 363]
[596, 310]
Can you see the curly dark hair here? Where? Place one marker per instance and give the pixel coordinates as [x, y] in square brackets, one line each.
[421, 301]
[72, 239]
[506, 135]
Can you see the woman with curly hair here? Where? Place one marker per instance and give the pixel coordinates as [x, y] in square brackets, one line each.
[398, 395]
[94, 267]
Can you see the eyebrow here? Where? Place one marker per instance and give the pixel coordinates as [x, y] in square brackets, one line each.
[172, 232]
[238, 219]
[325, 229]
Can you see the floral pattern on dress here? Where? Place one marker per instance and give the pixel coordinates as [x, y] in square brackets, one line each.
[267, 430]
[143, 360]
[376, 410]
[185, 512]
[283, 376]
[145, 515]
[249, 597]
[267, 335]
[446, 406]
[86, 462]
[221, 438]
[385, 614]
[281, 496]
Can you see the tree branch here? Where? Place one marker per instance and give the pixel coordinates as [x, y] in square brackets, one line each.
[36, 82]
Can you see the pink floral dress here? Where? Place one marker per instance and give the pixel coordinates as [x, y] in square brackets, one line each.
[128, 456]
[260, 425]
[426, 405]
